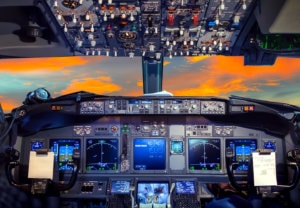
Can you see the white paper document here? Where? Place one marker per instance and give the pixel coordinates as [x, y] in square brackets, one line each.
[41, 165]
[264, 169]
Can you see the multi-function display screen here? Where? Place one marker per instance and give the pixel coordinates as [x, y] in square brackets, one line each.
[149, 154]
[102, 154]
[63, 151]
[185, 187]
[120, 187]
[204, 154]
[152, 193]
[242, 150]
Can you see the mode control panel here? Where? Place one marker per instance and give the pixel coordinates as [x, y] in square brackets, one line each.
[147, 106]
[212, 107]
[92, 107]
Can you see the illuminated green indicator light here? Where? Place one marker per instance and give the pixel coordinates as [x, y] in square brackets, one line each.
[279, 41]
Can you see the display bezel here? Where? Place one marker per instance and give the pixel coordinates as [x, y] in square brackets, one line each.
[116, 155]
[163, 160]
[218, 164]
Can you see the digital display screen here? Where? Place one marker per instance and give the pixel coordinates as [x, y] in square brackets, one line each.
[242, 150]
[176, 101]
[63, 151]
[149, 154]
[120, 187]
[146, 101]
[133, 102]
[36, 145]
[152, 193]
[270, 145]
[204, 154]
[102, 154]
[185, 187]
[176, 147]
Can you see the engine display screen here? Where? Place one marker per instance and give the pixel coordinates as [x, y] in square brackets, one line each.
[185, 187]
[120, 187]
[151, 193]
[63, 151]
[204, 154]
[102, 154]
[242, 150]
[149, 154]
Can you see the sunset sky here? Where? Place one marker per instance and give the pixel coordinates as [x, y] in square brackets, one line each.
[183, 76]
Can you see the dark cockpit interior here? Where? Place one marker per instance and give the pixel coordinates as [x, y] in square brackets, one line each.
[156, 150]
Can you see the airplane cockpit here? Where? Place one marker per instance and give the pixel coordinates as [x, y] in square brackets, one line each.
[156, 150]
[86, 150]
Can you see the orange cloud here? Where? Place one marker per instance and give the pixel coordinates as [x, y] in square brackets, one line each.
[9, 104]
[139, 83]
[38, 64]
[224, 75]
[98, 85]
[234, 65]
[213, 88]
[271, 83]
[27, 83]
[166, 63]
[195, 59]
[133, 92]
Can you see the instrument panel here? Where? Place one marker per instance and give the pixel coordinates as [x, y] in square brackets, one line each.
[150, 151]
[118, 152]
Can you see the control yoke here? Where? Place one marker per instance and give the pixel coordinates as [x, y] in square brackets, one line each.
[293, 157]
[45, 185]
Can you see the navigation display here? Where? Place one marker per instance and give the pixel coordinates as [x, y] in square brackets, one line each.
[102, 154]
[185, 187]
[242, 150]
[63, 151]
[204, 154]
[149, 154]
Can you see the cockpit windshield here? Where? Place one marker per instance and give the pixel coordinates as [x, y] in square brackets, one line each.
[219, 76]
